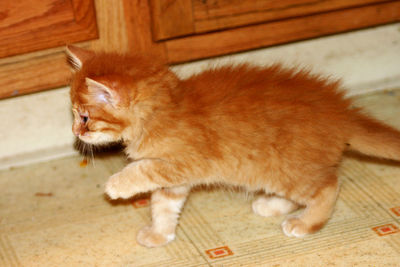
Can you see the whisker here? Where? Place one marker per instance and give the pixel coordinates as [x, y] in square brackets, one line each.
[92, 154]
[84, 150]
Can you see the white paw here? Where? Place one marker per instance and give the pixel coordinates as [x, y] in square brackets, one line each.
[272, 206]
[149, 238]
[260, 207]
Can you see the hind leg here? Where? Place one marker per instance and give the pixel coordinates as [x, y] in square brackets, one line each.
[318, 210]
[272, 206]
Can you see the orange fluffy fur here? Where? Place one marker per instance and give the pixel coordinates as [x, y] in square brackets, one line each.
[262, 128]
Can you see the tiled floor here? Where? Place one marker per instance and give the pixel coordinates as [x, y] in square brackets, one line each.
[55, 214]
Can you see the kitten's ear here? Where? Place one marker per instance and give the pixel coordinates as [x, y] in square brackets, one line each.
[101, 92]
[77, 56]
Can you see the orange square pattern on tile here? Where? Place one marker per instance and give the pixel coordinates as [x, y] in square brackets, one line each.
[219, 252]
[386, 229]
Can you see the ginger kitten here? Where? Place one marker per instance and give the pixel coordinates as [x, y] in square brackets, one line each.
[270, 129]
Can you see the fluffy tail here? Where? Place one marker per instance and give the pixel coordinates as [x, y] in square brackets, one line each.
[374, 138]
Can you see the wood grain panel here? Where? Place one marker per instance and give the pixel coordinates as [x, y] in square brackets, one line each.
[171, 18]
[27, 25]
[25, 76]
[224, 14]
[111, 26]
[138, 27]
[229, 41]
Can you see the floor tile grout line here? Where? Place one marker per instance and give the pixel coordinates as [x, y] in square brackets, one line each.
[355, 236]
[394, 242]
[211, 233]
[376, 179]
[181, 247]
[197, 234]
[197, 249]
[205, 231]
[366, 226]
[3, 252]
[283, 256]
[356, 190]
[367, 201]
[355, 183]
[374, 199]
[68, 222]
[349, 198]
[382, 190]
[7, 247]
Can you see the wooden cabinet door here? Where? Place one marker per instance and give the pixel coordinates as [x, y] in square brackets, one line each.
[178, 18]
[279, 31]
[195, 29]
[31, 25]
[33, 32]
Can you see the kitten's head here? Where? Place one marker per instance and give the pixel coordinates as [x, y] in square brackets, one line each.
[113, 94]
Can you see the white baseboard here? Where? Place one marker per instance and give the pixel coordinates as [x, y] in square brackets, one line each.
[37, 156]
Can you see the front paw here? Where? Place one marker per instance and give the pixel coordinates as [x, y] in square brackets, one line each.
[118, 186]
[149, 238]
